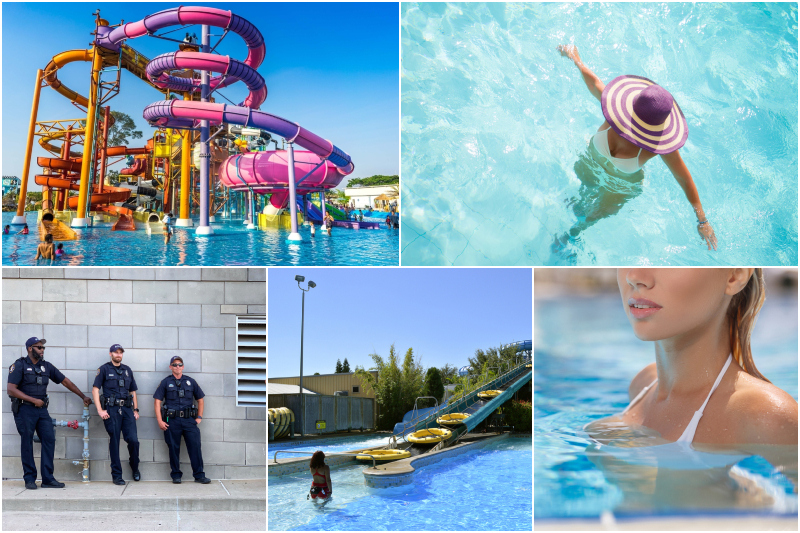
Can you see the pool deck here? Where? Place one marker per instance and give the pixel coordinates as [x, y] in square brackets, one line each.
[700, 523]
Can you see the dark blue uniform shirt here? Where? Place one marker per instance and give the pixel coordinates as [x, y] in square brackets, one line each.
[108, 377]
[168, 392]
[23, 374]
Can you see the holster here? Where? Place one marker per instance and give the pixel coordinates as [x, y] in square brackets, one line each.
[15, 403]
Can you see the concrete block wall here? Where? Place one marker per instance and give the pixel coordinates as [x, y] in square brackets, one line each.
[154, 314]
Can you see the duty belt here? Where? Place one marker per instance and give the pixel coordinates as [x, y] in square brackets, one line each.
[46, 401]
[189, 412]
[122, 402]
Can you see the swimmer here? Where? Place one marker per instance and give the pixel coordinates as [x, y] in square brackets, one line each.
[328, 222]
[321, 486]
[60, 251]
[625, 142]
[167, 229]
[46, 250]
[6, 229]
[24, 230]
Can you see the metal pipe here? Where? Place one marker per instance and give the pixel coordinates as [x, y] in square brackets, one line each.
[26, 166]
[203, 227]
[75, 425]
[294, 236]
[88, 144]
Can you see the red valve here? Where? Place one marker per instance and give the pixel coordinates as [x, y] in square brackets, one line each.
[73, 424]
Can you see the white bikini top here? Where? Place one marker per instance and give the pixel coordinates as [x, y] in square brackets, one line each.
[688, 433]
[627, 165]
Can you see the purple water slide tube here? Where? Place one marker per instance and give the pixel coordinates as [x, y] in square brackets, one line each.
[183, 114]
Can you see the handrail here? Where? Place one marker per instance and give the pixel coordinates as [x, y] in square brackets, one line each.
[446, 409]
[275, 457]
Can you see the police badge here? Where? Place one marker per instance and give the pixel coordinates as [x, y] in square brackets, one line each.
[42, 367]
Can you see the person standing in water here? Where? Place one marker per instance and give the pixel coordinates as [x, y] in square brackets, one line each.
[321, 485]
[642, 120]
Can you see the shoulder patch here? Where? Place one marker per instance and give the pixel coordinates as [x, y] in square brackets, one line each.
[10, 370]
[98, 372]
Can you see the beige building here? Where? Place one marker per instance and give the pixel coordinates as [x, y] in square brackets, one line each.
[328, 384]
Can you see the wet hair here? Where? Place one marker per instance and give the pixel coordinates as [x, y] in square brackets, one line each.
[742, 314]
[48, 238]
[317, 460]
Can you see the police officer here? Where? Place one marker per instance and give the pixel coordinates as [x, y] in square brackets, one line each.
[119, 410]
[27, 386]
[178, 417]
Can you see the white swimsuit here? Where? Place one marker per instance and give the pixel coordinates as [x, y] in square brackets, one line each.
[688, 433]
[627, 165]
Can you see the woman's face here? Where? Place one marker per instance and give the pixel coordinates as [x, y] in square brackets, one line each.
[665, 302]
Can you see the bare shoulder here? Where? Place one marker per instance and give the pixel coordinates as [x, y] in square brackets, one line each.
[766, 414]
[644, 378]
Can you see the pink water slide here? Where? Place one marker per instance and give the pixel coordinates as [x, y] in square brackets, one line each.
[260, 170]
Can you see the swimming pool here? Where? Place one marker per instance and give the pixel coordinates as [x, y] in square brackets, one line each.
[584, 376]
[494, 121]
[231, 244]
[327, 445]
[489, 488]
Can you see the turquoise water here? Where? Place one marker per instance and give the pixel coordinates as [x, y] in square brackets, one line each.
[486, 489]
[582, 374]
[231, 244]
[338, 444]
[494, 121]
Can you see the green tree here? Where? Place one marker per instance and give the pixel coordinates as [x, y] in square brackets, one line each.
[493, 358]
[338, 367]
[449, 374]
[123, 128]
[372, 181]
[433, 384]
[345, 366]
[395, 388]
[316, 373]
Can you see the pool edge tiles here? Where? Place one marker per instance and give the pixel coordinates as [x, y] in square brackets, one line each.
[402, 472]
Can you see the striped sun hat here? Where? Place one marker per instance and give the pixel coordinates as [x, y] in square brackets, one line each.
[645, 114]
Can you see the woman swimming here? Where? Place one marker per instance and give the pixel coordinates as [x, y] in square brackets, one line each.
[702, 406]
[321, 486]
[642, 121]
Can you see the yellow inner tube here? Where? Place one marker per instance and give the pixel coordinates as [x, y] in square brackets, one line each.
[429, 436]
[489, 393]
[383, 455]
[452, 419]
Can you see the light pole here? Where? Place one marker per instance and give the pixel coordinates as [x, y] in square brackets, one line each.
[311, 285]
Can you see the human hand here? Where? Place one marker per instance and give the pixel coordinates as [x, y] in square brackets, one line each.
[198, 420]
[570, 51]
[103, 414]
[135, 415]
[707, 232]
[87, 401]
[163, 425]
[38, 403]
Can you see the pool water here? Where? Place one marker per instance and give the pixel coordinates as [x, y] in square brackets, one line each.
[494, 120]
[488, 488]
[581, 374]
[231, 244]
[332, 445]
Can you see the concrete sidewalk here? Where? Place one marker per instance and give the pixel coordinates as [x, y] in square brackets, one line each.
[147, 505]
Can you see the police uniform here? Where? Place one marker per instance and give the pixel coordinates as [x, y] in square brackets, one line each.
[177, 396]
[117, 383]
[32, 380]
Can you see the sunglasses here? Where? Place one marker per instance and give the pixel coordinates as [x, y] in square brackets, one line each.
[176, 364]
[40, 347]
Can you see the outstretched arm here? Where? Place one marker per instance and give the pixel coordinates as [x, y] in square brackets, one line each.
[678, 168]
[591, 80]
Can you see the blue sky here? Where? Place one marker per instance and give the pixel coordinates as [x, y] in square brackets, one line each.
[330, 67]
[444, 314]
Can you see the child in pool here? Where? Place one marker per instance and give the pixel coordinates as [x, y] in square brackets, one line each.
[321, 486]
[60, 251]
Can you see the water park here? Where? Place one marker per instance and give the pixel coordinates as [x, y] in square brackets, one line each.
[216, 182]
[468, 451]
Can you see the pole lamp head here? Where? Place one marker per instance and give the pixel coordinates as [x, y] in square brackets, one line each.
[299, 278]
[311, 284]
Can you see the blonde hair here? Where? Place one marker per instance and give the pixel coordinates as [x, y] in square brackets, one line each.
[742, 314]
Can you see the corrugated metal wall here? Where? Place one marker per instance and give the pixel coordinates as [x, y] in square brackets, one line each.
[328, 384]
[339, 413]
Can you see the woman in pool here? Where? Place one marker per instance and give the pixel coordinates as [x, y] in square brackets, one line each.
[321, 486]
[642, 121]
[703, 406]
